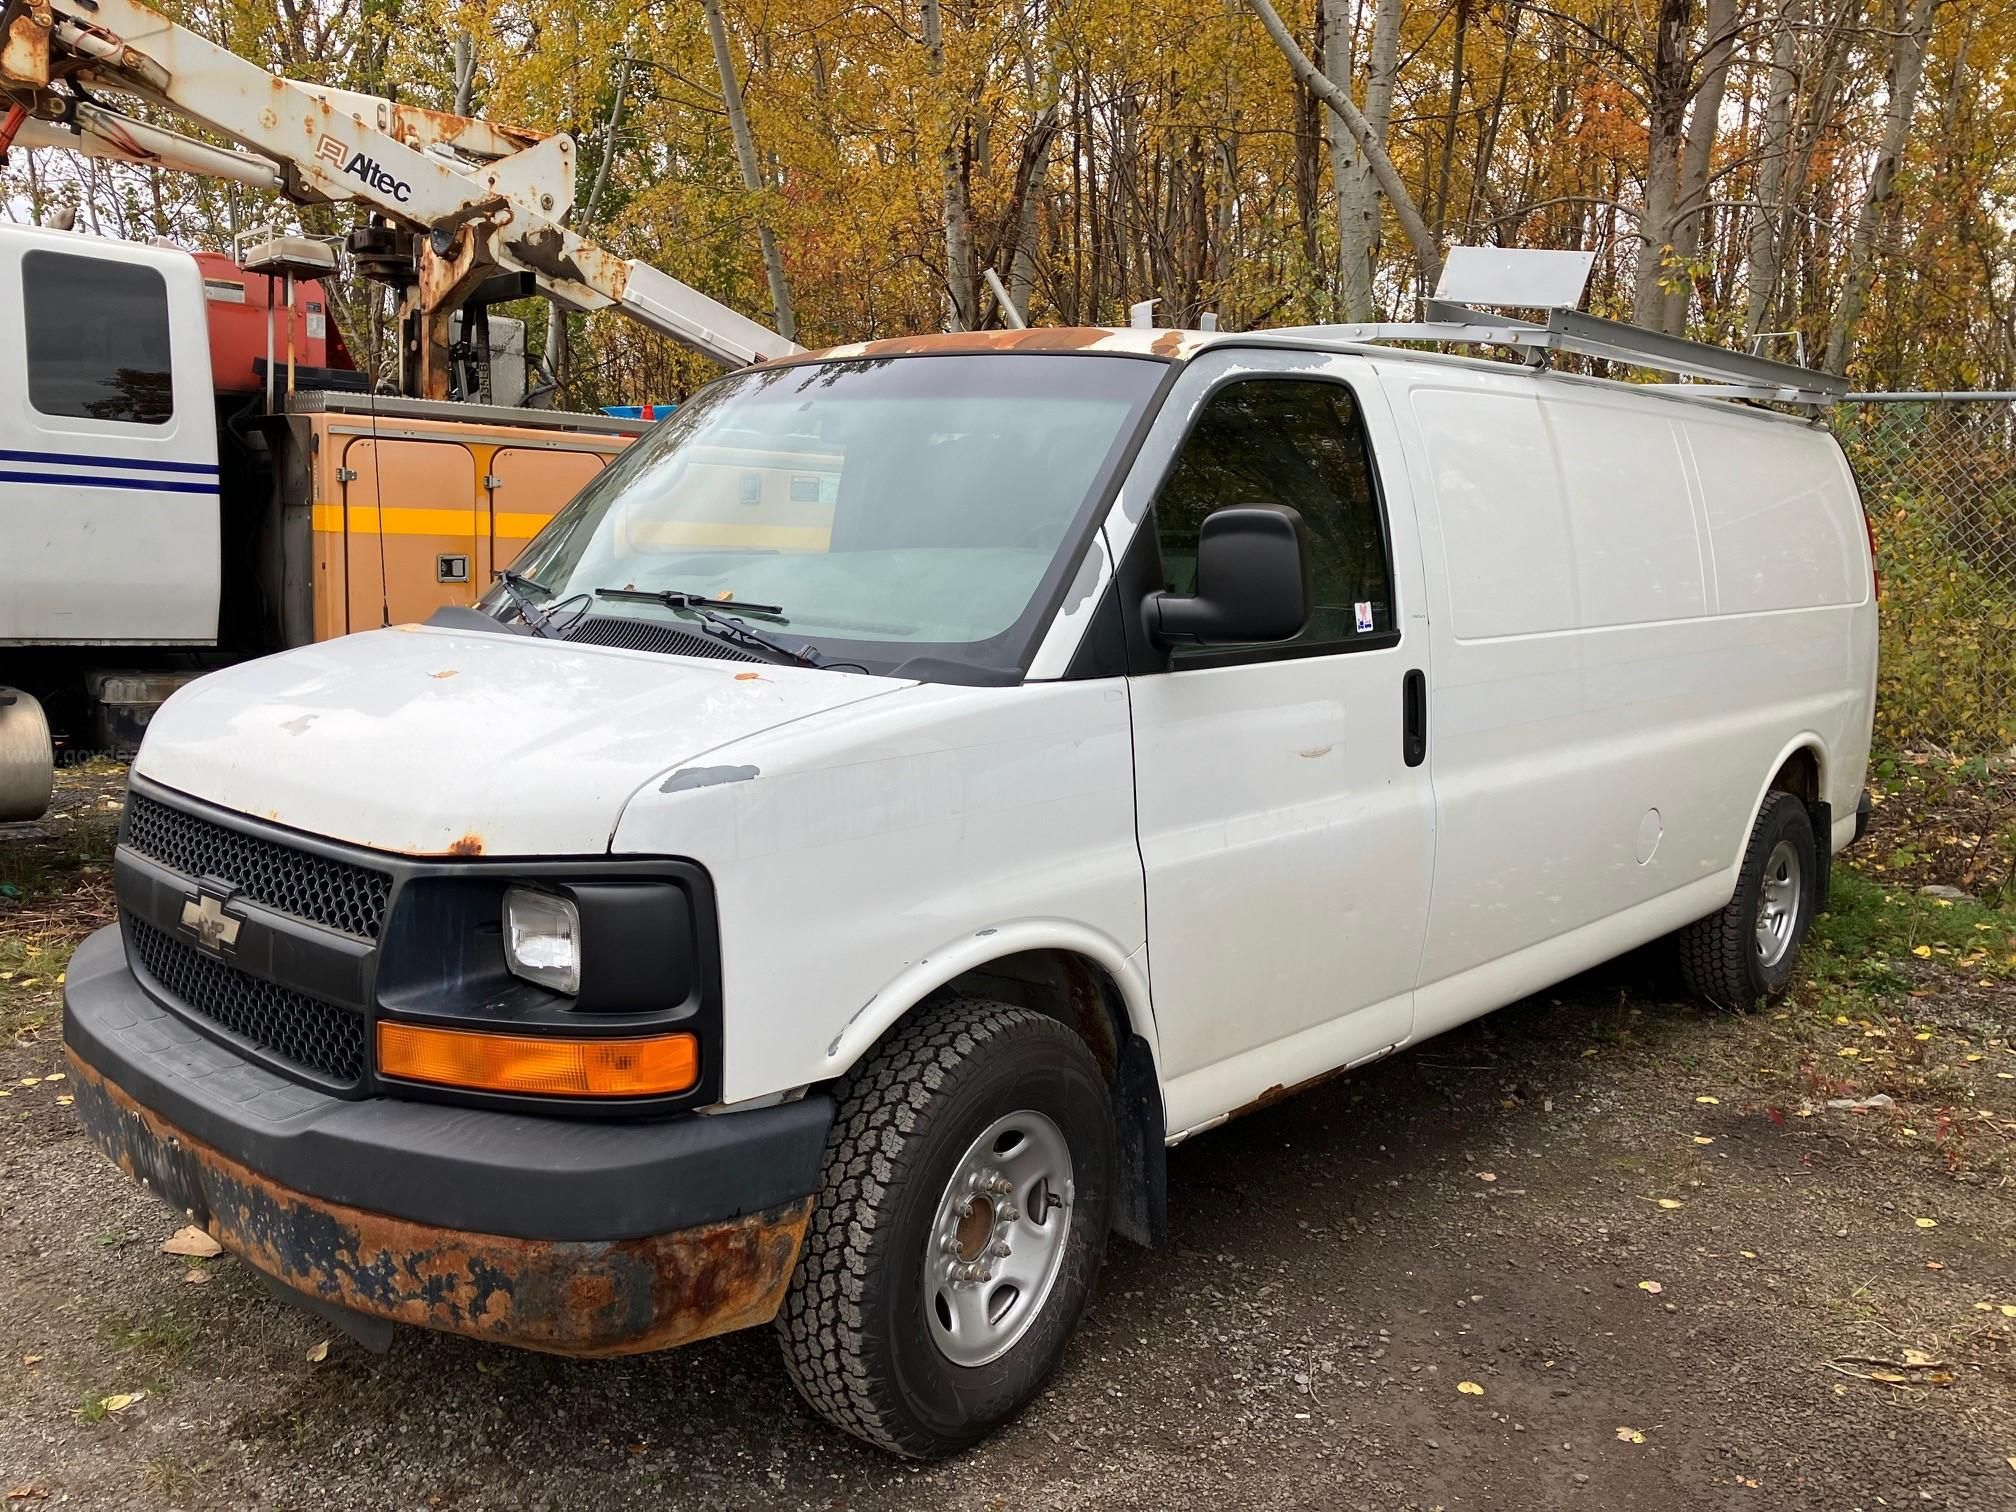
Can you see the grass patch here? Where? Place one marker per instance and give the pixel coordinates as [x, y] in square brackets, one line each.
[1870, 925]
[164, 1341]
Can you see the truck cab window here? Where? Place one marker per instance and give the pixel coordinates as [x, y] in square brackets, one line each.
[97, 339]
[1297, 442]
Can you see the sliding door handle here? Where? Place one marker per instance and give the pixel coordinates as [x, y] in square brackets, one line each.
[1414, 717]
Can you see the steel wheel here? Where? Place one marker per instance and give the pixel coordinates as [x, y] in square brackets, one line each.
[1778, 904]
[998, 1238]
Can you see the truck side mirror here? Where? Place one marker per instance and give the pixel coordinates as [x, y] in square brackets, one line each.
[1252, 581]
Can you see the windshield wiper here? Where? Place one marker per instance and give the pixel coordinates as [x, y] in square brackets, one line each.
[515, 584]
[708, 611]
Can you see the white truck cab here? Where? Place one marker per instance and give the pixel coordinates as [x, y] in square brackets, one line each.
[923, 780]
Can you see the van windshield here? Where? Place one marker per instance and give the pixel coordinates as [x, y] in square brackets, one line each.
[880, 509]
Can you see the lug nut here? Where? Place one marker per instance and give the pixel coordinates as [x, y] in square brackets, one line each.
[1007, 1212]
[999, 1249]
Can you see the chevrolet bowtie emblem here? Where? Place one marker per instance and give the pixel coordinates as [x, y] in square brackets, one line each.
[204, 917]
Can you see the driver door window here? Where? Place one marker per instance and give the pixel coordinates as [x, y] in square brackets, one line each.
[1297, 442]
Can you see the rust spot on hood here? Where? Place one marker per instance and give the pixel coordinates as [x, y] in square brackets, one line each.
[468, 845]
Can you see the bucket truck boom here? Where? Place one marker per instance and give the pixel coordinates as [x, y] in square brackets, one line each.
[455, 201]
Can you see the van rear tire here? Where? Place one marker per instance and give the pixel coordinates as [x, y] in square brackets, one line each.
[1738, 958]
[958, 1230]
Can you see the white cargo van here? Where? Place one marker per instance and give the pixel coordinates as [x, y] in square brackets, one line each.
[920, 782]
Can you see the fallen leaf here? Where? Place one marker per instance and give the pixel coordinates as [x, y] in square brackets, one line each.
[31, 1359]
[196, 1276]
[2009, 1310]
[36, 1081]
[1670, 1202]
[1889, 1377]
[319, 1353]
[1926, 1222]
[120, 1401]
[1748, 1254]
[1631, 1435]
[24, 1493]
[191, 1241]
[1921, 1036]
[1935, 1265]
[1704, 1139]
[1923, 952]
[1651, 1286]
[1487, 1175]
[1710, 1101]
[1916, 1358]
[54, 1076]
[1469, 1388]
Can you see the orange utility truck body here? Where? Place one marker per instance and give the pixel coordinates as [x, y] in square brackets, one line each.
[412, 504]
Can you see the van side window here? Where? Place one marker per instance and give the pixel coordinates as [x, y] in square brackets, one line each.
[97, 339]
[1297, 442]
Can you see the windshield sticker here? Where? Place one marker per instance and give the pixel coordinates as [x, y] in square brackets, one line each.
[1364, 611]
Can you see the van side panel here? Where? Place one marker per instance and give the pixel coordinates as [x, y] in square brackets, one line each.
[1787, 534]
[1603, 721]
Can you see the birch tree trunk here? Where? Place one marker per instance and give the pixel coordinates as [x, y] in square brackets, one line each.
[1907, 71]
[1356, 231]
[962, 286]
[1766, 251]
[752, 170]
[1427, 257]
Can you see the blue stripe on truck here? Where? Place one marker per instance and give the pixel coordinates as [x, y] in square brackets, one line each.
[78, 459]
[74, 480]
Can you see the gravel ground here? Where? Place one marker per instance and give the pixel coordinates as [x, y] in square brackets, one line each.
[1679, 1278]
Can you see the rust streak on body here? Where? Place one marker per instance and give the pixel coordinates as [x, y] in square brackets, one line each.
[468, 845]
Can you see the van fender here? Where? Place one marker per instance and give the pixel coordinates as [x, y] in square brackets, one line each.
[967, 952]
[1141, 1201]
[1805, 740]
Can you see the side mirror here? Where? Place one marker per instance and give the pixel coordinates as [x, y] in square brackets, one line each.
[1252, 581]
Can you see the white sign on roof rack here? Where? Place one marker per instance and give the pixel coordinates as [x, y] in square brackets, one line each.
[1517, 277]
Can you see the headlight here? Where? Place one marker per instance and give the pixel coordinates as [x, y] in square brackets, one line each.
[542, 939]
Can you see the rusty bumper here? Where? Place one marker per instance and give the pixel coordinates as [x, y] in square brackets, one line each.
[577, 1297]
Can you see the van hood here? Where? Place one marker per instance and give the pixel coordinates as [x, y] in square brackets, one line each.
[440, 742]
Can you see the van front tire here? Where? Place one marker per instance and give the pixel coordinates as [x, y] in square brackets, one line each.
[1738, 958]
[958, 1229]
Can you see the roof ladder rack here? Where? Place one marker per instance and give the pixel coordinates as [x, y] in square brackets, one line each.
[1553, 282]
[1728, 374]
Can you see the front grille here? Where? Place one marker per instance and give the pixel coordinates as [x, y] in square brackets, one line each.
[311, 1034]
[335, 894]
[645, 635]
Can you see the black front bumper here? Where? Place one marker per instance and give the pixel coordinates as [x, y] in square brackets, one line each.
[577, 1236]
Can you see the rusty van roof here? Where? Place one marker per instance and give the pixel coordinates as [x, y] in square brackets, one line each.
[1126, 341]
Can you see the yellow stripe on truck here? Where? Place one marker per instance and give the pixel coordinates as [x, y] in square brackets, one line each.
[401, 521]
[364, 520]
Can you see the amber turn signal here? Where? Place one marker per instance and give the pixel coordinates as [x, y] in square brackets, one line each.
[539, 1064]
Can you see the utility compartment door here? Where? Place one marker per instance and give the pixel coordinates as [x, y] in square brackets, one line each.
[108, 445]
[410, 529]
[530, 485]
[1286, 824]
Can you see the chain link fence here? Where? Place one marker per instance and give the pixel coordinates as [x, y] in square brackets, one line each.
[1938, 475]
